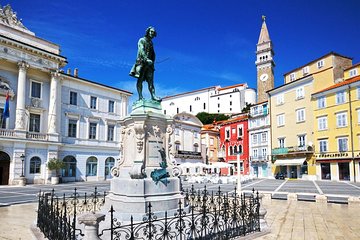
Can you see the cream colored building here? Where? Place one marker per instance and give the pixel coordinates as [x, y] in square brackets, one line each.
[292, 119]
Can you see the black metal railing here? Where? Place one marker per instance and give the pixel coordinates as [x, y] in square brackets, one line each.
[201, 215]
[57, 215]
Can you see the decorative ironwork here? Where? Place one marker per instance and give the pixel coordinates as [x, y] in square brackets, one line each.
[201, 215]
[57, 215]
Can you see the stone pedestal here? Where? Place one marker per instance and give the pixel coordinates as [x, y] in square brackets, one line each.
[137, 181]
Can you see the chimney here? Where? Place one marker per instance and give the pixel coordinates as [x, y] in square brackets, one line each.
[68, 71]
[76, 72]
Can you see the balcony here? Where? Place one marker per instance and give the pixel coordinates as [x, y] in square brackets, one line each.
[292, 150]
[36, 136]
[255, 159]
[7, 133]
[259, 113]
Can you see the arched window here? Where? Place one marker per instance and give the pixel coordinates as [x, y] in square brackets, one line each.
[240, 149]
[109, 164]
[91, 166]
[231, 150]
[196, 147]
[235, 149]
[35, 165]
[70, 167]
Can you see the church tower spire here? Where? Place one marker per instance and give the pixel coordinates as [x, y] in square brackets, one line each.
[264, 63]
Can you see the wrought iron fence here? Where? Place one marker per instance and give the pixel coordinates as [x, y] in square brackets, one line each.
[57, 215]
[202, 215]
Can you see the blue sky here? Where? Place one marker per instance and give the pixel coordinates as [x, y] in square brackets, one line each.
[200, 43]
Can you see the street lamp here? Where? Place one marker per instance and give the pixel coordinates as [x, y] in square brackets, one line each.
[238, 173]
[22, 165]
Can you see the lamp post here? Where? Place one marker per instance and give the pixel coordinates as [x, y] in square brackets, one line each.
[238, 173]
[22, 165]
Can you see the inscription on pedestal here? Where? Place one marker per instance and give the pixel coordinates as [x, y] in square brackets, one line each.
[154, 154]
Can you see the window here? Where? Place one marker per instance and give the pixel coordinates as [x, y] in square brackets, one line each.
[300, 93]
[306, 70]
[323, 145]
[342, 144]
[358, 93]
[263, 137]
[109, 164]
[92, 130]
[196, 135]
[110, 132]
[34, 125]
[204, 106]
[35, 165]
[177, 110]
[320, 63]
[177, 131]
[3, 121]
[93, 101]
[263, 152]
[111, 106]
[280, 120]
[301, 140]
[254, 138]
[292, 77]
[340, 97]
[197, 98]
[322, 123]
[255, 152]
[73, 98]
[353, 72]
[227, 133]
[72, 128]
[358, 113]
[211, 142]
[300, 115]
[91, 166]
[235, 150]
[177, 146]
[35, 89]
[281, 142]
[240, 149]
[341, 119]
[190, 108]
[240, 131]
[280, 99]
[321, 102]
[230, 103]
[231, 152]
[70, 167]
[218, 105]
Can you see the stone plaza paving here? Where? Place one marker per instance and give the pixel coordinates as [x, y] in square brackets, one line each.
[286, 220]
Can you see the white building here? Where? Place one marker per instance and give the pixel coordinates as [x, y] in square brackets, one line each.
[226, 100]
[259, 140]
[52, 114]
[186, 141]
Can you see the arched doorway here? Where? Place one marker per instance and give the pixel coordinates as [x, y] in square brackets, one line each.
[4, 168]
[69, 171]
[109, 164]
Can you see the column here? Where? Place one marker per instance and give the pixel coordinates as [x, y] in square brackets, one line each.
[54, 116]
[20, 122]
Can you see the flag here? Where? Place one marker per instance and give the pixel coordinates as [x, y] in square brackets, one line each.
[6, 112]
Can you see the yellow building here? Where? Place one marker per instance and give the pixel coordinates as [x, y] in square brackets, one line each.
[337, 129]
[209, 138]
[292, 114]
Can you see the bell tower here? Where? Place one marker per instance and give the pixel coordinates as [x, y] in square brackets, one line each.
[264, 63]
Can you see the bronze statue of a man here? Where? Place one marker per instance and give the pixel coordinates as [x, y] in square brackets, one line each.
[143, 68]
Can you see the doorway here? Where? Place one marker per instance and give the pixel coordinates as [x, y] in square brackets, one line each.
[4, 168]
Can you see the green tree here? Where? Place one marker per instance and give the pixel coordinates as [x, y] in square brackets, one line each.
[208, 118]
[246, 109]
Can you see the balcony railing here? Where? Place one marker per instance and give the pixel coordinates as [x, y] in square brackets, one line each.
[258, 158]
[292, 149]
[36, 136]
[7, 133]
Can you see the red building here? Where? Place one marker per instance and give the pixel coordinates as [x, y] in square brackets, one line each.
[234, 140]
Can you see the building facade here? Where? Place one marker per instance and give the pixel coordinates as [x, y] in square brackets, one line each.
[210, 140]
[52, 114]
[234, 141]
[337, 130]
[259, 140]
[186, 140]
[291, 108]
[225, 100]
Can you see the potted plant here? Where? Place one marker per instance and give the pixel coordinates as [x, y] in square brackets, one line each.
[56, 165]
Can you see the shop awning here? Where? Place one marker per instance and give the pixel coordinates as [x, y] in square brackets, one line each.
[290, 162]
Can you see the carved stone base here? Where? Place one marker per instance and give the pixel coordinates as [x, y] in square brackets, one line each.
[130, 197]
